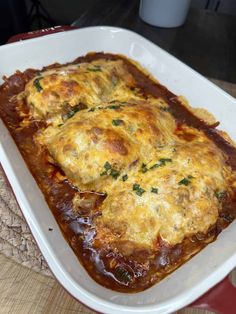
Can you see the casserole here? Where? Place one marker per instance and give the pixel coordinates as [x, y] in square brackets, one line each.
[148, 55]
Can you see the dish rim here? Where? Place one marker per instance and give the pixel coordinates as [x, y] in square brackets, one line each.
[22, 200]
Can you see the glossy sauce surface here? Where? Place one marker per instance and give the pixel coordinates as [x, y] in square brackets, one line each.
[108, 267]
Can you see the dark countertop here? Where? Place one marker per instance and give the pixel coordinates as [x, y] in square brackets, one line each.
[206, 42]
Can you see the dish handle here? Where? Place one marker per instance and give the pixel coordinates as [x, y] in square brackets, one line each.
[220, 299]
[40, 32]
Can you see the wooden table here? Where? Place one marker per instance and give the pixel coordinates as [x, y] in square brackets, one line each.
[24, 291]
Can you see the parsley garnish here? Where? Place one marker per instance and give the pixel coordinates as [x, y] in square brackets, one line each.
[60, 124]
[118, 105]
[109, 171]
[104, 173]
[107, 166]
[144, 168]
[164, 160]
[75, 109]
[95, 68]
[37, 84]
[113, 106]
[165, 109]
[154, 190]
[114, 173]
[138, 190]
[125, 177]
[161, 162]
[117, 122]
[220, 194]
[185, 181]
[70, 114]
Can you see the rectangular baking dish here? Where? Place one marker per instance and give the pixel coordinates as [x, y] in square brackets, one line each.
[192, 279]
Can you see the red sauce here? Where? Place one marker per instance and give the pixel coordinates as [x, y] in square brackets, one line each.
[111, 269]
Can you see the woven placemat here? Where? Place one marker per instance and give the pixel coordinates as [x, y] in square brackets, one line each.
[16, 240]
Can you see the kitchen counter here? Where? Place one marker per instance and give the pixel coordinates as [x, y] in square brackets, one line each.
[206, 42]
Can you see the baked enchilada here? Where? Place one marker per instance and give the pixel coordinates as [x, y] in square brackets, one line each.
[137, 179]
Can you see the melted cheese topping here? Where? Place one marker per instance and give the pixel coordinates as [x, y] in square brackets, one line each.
[57, 91]
[92, 138]
[161, 180]
[175, 210]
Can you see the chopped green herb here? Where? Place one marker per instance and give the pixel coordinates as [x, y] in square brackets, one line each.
[161, 162]
[186, 181]
[164, 160]
[95, 68]
[113, 106]
[60, 124]
[110, 171]
[125, 177]
[154, 190]
[220, 194]
[155, 166]
[138, 190]
[117, 122]
[165, 109]
[74, 109]
[136, 186]
[70, 114]
[114, 173]
[37, 84]
[92, 109]
[104, 173]
[107, 165]
[190, 177]
[144, 168]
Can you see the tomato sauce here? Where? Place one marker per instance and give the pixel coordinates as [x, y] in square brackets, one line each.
[111, 269]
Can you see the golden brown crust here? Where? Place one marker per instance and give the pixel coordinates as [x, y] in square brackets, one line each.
[140, 140]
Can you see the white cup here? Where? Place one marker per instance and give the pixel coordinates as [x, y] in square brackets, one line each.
[164, 13]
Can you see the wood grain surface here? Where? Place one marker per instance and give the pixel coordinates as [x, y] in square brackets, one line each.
[23, 291]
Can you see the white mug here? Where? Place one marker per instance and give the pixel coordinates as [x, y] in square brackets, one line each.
[164, 13]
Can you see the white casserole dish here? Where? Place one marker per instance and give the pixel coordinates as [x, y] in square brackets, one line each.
[192, 279]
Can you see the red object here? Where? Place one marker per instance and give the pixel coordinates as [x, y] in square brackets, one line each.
[220, 299]
[40, 32]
